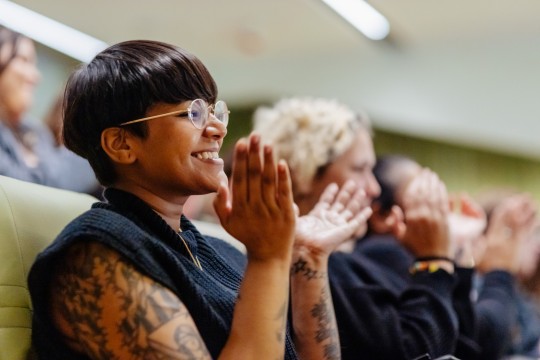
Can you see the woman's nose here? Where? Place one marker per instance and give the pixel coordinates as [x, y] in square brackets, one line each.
[215, 128]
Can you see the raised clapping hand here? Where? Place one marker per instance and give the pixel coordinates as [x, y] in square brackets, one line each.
[467, 222]
[258, 210]
[510, 224]
[337, 218]
[425, 205]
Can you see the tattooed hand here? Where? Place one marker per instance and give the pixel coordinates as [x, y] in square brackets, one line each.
[339, 215]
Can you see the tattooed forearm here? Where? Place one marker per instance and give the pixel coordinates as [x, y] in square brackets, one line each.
[314, 320]
[301, 267]
[326, 333]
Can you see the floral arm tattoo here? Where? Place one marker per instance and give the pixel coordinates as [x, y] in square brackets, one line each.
[312, 294]
[107, 309]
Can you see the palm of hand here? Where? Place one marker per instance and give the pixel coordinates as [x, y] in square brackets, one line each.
[426, 212]
[322, 229]
[335, 219]
[427, 231]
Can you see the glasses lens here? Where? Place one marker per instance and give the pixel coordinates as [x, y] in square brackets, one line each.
[198, 113]
[221, 112]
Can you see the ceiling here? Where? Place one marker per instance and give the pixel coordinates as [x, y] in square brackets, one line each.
[459, 71]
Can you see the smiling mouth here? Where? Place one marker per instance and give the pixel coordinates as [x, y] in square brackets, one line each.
[207, 155]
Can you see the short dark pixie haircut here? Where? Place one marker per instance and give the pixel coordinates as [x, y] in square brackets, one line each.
[122, 83]
[13, 39]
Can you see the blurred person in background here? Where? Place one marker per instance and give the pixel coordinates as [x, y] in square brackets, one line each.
[325, 142]
[489, 322]
[27, 150]
[511, 244]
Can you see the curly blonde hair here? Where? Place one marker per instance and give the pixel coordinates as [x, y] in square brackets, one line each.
[309, 133]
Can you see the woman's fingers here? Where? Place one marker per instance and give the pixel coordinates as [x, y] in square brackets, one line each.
[257, 182]
[259, 212]
[222, 204]
[345, 202]
[357, 205]
[239, 184]
[268, 183]
[344, 196]
[284, 189]
[254, 171]
[442, 195]
[327, 197]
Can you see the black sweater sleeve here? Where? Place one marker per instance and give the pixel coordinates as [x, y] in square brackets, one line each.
[467, 346]
[496, 313]
[376, 322]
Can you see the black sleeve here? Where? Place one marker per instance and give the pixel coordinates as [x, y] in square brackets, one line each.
[377, 323]
[467, 346]
[496, 313]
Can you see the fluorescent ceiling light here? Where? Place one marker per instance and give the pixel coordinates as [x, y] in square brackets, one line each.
[362, 16]
[49, 32]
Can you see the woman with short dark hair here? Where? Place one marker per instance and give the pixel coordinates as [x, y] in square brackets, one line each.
[132, 277]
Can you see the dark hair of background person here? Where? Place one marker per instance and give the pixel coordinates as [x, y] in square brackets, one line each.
[150, 83]
[384, 172]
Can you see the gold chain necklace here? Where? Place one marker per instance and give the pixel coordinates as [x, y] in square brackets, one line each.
[195, 259]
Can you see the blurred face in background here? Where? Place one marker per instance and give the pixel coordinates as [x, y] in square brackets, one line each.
[354, 164]
[17, 80]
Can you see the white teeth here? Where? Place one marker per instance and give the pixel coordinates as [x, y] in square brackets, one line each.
[207, 155]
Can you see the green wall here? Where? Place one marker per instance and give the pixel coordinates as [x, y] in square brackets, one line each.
[465, 168]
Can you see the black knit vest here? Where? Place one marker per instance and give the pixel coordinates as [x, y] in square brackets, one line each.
[134, 230]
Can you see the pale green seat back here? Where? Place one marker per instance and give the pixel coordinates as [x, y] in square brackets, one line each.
[31, 216]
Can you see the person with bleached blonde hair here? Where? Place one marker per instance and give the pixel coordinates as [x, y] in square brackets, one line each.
[316, 136]
[326, 143]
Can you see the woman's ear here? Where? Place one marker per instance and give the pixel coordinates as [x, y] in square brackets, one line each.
[115, 142]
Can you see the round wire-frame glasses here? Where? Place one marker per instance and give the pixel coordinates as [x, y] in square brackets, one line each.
[197, 112]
